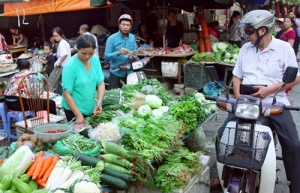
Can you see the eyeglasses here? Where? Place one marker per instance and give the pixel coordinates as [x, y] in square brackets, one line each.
[249, 32]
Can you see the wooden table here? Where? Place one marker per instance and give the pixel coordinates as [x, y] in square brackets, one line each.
[177, 57]
[17, 49]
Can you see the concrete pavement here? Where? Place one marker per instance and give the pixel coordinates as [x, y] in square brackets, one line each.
[211, 127]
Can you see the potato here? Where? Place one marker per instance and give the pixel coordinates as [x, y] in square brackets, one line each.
[34, 138]
[39, 143]
[26, 137]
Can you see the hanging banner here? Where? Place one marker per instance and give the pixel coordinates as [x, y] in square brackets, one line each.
[48, 6]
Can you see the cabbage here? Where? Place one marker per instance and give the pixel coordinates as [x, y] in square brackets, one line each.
[157, 113]
[18, 162]
[153, 101]
[227, 55]
[164, 109]
[235, 56]
[207, 111]
[222, 46]
[226, 61]
[144, 110]
[212, 108]
[232, 61]
[215, 47]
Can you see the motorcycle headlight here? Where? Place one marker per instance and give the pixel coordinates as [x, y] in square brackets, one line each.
[247, 111]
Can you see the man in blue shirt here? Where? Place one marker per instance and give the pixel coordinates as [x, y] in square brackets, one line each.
[119, 51]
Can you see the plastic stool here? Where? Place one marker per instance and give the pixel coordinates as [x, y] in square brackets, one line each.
[4, 120]
[18, 115]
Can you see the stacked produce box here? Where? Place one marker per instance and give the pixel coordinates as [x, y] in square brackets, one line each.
[143, 118]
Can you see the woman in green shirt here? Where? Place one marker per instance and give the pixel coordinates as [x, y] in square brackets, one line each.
[81, 77]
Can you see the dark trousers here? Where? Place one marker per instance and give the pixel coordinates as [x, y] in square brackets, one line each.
[13, 103]
[70, 115]
[115, 81]
[296, 45]
[289, 140]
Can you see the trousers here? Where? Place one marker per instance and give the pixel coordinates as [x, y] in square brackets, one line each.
[289, 140]
[115, 81]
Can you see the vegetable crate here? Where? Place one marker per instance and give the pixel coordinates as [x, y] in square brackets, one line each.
[194, 75]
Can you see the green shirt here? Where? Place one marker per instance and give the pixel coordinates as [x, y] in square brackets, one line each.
[80, 84]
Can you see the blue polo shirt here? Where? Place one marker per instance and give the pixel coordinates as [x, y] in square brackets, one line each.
[113, 44]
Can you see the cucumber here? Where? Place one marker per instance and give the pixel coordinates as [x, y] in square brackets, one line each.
[90, 161]
[112, 182]
[125, 177]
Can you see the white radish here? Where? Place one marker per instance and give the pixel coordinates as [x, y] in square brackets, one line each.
[56, 173]
[67, 172]
[76, 175]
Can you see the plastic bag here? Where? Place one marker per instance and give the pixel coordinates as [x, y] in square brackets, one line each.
[212, 89]
[60, 149]
[196, 141]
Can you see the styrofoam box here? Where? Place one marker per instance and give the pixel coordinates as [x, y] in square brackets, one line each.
[169, 69]
[199, 183]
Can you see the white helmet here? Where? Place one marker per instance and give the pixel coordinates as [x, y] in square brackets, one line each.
[257, 19]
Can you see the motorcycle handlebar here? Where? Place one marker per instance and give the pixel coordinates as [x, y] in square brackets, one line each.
[212, 98]
[293, 108]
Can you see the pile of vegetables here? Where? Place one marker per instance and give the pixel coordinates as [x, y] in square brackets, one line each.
[76, 143]
[30, 140]
[203, 57]
[225, 52]
[177, 170]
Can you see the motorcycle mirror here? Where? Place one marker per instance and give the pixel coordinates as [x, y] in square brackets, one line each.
[212, 73]
[290, 74]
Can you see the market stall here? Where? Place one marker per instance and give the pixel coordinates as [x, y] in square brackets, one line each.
[223, 57]
[170, 63]
[152, 127]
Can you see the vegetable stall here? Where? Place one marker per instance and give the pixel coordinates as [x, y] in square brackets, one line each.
[223, 56]
[138, 140]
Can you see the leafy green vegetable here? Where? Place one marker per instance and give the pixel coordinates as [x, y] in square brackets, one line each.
[177, 170]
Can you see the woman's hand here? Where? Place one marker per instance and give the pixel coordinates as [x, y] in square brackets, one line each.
[98, 109]
[79, 119]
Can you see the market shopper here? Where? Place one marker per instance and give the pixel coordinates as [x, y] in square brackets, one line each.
[288, 33]
[234, 30]
[53, 45]
[119, 50]
[19, 39]
[296, 27]
[279, 22]
[63, 49]
[81, 76]
[84, 29]
[11, 92]
[144, 35]
[263, 60]
[49, 59]
[174, 33]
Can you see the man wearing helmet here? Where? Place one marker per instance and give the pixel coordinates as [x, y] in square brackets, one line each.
[263, 60]
[119, 50]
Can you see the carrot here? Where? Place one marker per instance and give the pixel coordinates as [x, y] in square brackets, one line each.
[201, 42]
[38, 167]
[46, 164]
[40, 182]
[49, 170]
[32, 166]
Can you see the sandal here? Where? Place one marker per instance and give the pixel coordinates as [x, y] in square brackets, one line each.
[215, 184]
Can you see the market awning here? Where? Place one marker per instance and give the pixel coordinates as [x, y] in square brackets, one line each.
[49, 6]
[183, 4]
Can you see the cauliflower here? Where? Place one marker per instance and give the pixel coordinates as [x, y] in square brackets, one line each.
[86, 187]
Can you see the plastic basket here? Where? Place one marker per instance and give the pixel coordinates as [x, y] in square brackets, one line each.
[194, 75]
[242, 147]
[41, 132]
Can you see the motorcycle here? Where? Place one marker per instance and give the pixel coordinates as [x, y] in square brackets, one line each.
[245, 149]
[135, 65]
